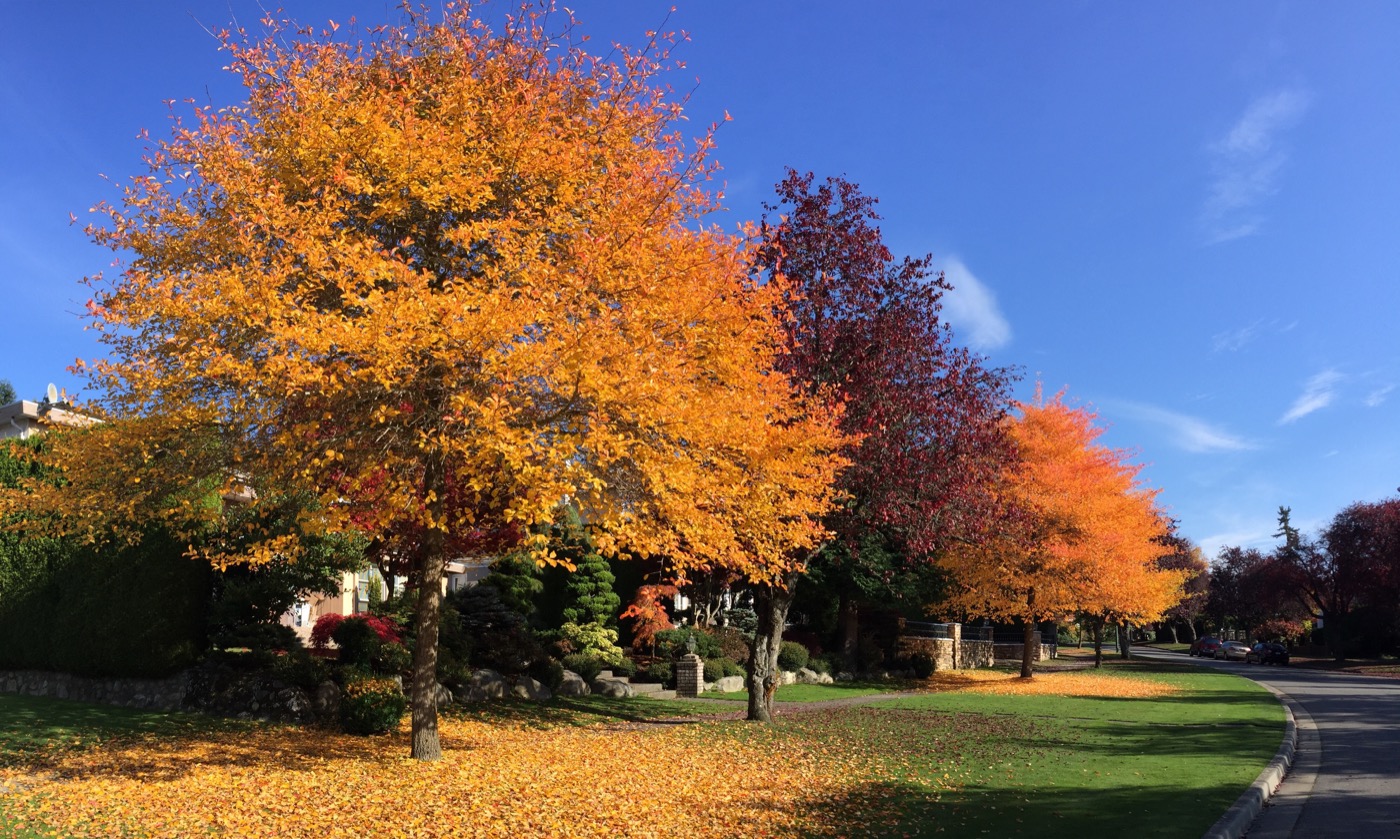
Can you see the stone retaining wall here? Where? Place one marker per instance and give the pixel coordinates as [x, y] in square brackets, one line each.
[166, 694]
[974, 654]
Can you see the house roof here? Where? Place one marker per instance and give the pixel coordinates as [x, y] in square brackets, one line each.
[23, 418]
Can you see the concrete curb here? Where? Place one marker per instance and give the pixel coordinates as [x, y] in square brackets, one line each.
[1246, 808]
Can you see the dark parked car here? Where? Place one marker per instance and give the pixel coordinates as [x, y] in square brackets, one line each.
[1232, 651]
[1205, 646]
[1267, 652]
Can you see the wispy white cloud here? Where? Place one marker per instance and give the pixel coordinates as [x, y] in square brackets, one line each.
[972, 309]
[1234, 340]
[1188, 433]
[1377, 396]
[1245, 163]
[1318, 393]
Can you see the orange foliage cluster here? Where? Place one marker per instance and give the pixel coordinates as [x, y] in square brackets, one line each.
[1088, 684]
[492, 781]
[1085, 533]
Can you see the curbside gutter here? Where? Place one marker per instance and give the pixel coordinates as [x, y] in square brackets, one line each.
[1246, 808]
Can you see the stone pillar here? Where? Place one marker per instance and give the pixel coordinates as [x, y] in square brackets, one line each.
[955, 632]
[690, 676]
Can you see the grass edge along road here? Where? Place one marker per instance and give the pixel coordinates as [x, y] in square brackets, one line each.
[1141, 749]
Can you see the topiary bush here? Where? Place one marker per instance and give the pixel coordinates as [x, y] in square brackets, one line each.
[660, 672]
[922, 663]
[733, 669]
[583, 664]
[492, 635]
[371, 706]
[714, 670]
[792, 656]
[592, 638]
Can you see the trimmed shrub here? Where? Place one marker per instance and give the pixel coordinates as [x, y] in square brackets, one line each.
[358, 642]
[714, 670]
[592, 638]
[922, 663]
[792, 656]
[732, 669]
[591, 595]
[732, 644]
[300, 670]
[491, 634]
[371, 706]
[583, 664]
[134, 611]
[671, 643]
[660, 672]
[549, 673]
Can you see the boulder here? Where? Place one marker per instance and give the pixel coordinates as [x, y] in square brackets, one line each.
[528, 688]
[729, 684]
[808, 676]
[844, 676]
[612, 688]
[573, 685]
[444, 696]
[326, 702]
[787, 677]
[485, 684]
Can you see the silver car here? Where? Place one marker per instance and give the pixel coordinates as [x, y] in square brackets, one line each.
[1232, 651]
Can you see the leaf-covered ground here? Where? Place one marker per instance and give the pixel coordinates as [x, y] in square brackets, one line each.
[937, 762]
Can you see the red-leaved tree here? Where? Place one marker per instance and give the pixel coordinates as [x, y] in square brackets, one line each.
[864, 330]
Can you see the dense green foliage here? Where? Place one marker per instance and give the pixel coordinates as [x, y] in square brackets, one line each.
[144, 609]
[132, 611]
[372, 706]
[792, 656]
[592, 599]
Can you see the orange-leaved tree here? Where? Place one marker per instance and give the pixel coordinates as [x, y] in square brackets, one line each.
[1078, 531]
[438, 278]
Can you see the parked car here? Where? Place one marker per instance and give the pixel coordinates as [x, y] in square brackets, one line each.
[1232, 651]
[1267, 652]
[1206, 645]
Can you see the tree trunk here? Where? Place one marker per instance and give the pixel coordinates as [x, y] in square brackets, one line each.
[1190, 632]
[849, 621]
[1125, 639]
[1098, 643]
[1171, 627]
[1027, 653]
[432, 560]
[771, 603]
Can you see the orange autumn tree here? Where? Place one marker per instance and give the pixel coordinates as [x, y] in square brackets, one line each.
[436, 278]
[1078, 532]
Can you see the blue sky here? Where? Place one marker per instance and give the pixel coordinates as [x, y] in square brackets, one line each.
[1187, 214]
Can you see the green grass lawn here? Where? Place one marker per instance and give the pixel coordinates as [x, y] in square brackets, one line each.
[955, 763]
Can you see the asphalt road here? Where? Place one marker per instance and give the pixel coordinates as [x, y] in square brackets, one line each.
[1345, 779]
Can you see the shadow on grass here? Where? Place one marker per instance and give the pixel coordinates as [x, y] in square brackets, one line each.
[915, 810]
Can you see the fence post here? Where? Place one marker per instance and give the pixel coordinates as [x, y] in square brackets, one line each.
[955, 632]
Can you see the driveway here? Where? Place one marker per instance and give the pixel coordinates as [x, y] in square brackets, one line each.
[1345, 780]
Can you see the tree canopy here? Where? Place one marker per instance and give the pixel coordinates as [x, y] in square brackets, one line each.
[1080, 533]
[439, 278]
